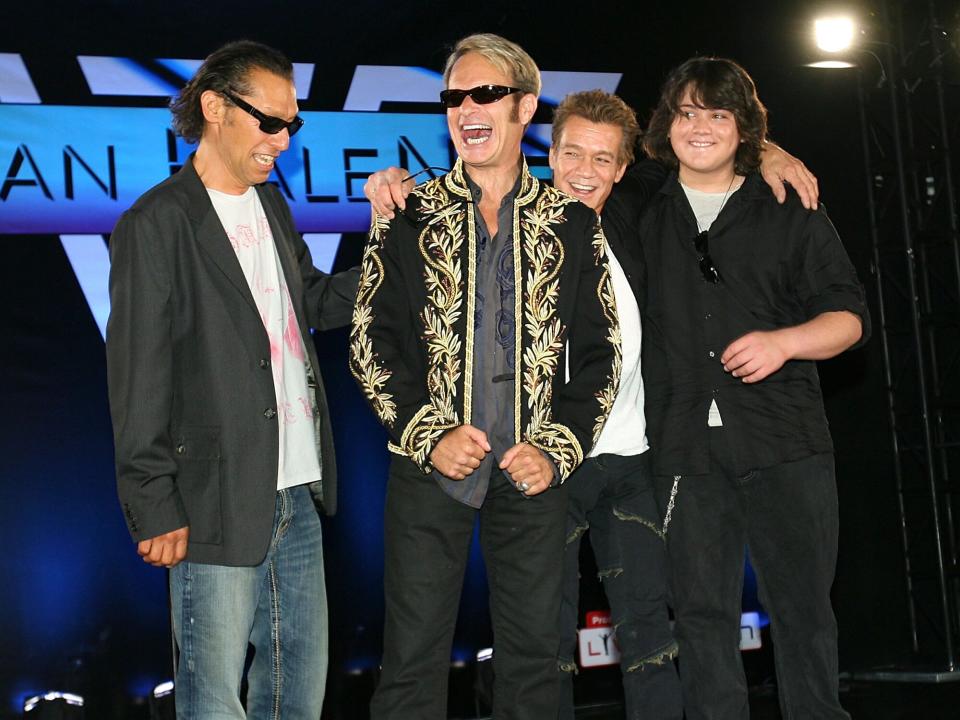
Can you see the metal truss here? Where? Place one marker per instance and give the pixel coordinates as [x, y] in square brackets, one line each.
[909, 95]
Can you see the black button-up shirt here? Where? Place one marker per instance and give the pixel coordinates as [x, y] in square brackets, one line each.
[780, 266]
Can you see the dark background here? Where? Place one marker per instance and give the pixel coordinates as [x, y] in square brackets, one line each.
[79, 610]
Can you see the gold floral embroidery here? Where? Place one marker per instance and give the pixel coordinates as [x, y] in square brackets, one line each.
[608, 302]
[540, 337]
[441, 243]
[599, 244]
[546, 335]
[371, 375]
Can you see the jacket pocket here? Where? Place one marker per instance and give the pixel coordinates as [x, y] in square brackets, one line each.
[197, 450]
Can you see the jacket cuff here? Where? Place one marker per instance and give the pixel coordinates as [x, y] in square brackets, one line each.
[422, 434]
[561, 446]
[145, 523]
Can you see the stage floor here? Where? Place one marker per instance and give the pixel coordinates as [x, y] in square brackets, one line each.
[864, 701]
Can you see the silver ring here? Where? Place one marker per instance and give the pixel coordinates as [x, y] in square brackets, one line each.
[523, 487]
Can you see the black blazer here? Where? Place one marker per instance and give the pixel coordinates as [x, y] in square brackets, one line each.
[191, 390]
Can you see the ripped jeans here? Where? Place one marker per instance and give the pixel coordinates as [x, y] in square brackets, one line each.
[613, 497]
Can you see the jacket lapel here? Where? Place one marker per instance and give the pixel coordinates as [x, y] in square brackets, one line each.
[210, 233]
[288, 263]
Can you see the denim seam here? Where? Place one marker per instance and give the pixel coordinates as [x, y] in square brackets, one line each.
[629, 517]
[275, 637]
[284, 522]
[577, 532]
[187, 621]
[660, 657]
[610, 572]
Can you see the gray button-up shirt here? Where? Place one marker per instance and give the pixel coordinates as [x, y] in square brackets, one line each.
[493, 349]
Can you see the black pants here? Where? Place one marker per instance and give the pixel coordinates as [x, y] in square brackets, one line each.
[427, 538]
[613, 496]
[787, 517]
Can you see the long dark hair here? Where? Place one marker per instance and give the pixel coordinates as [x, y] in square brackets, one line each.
[715, 83]
[226, 69]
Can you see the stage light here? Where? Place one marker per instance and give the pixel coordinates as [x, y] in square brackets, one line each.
[831, 64]
[163, 689]
[483, 682]
[834, 34]
[53, 705]
[161, 702]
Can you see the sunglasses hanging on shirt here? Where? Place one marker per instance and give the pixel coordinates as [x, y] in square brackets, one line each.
[708, 269]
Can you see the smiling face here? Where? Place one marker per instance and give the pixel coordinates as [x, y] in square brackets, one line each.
[586, 161]
[487, 137]
[240, 153]
[705, 141]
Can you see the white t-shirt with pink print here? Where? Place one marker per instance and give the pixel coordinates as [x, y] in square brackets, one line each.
[246, 225]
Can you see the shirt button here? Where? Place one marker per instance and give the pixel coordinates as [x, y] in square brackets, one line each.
[715, 392]
[180, 449]
[264, 363]
[269, 413]
[711, 353]
[707, 316]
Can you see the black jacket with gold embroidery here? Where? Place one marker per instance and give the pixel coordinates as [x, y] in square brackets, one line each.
[411, 345]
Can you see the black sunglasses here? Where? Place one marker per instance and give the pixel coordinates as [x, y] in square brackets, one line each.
[268, 123]
[481, 94]
[707, 268]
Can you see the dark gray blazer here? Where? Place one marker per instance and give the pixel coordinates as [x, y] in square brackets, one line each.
[188, 363]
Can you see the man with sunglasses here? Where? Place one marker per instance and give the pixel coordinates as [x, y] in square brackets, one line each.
[485, 339]
[743, 296]
[224, 450]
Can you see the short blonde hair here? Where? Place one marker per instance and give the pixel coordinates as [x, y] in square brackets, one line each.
[508, 57]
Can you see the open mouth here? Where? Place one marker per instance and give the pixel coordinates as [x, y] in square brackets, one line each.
[264, 160]
[582, 189]
[475, 134]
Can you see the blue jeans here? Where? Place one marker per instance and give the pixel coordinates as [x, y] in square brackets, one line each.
[613, 496]
[279, 607]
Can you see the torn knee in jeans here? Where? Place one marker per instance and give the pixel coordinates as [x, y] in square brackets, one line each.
[660, 657]
[630, 517]
[577, 532]
[568, 666]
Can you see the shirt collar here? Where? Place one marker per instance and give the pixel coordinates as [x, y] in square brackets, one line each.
[476, 192]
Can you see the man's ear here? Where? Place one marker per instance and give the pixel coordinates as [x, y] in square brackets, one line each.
[213, 106]
[528, 106]
[552, 158]
[620, 172]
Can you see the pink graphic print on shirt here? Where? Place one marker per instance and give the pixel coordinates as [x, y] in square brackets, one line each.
[244, 240]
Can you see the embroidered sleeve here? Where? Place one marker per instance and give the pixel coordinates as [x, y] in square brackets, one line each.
[370, 373]
[414, 403]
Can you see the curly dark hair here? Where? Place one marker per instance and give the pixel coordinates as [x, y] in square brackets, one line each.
[226, 69]
[715, 83]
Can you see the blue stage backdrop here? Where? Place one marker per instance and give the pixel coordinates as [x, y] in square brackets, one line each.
[84, 130]
[94, 611]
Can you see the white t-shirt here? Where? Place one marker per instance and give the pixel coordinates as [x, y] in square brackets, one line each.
[625, 430]
[248, 229]
[706, 207]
